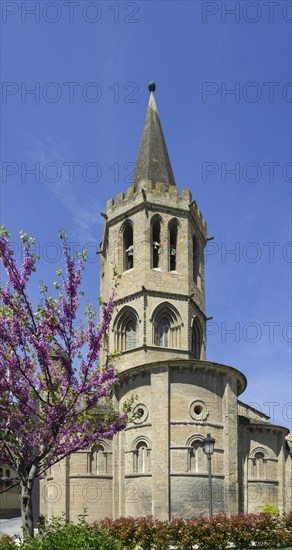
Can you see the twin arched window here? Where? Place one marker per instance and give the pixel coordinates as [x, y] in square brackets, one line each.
[156, 245]
[166, 323]
[196, 458]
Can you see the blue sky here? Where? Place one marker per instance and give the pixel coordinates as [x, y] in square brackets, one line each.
[90, 63]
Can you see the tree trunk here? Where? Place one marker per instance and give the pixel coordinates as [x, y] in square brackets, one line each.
[26, 507]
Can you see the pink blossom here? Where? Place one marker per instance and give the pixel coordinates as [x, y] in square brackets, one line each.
[49, 395]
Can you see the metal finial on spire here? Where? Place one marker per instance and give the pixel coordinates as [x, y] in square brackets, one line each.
[151, 86]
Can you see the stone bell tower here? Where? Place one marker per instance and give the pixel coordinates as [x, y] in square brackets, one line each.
[156, 238]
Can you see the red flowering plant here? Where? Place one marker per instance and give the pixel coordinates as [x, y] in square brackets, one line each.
[51, 382]
[241, 530]
[178, 535]
[202, 533]
[260, 529]
[219, 532]
[287, 529]
[265, 530]
[288, 520]
[164, 535]
[146, 532]
[184, 532]
[207, 533]
[124, 529]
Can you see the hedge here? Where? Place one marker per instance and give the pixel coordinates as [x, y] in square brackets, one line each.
[203, 532]
[147, 533]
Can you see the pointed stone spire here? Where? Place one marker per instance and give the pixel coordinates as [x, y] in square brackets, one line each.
[153, 161]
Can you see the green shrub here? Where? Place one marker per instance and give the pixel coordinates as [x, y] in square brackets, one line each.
[123, 529]
[271, 509]
[61, 536]
[147, 533]
[7, 543]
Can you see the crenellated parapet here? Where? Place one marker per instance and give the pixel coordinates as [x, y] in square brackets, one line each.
[153, 195]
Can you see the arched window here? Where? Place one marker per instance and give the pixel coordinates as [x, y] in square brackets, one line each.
[126, 329]
[197, 457]
[142, 464]
[259, 466]
[131, 333]
[155, 242]
[259, 459]
[196, 259]
[166, 322]
[173, 245]
[98, 460]
[163, 331]
[128, 247]
[196, 338]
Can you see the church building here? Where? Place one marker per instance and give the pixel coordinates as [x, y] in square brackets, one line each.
[156, 236]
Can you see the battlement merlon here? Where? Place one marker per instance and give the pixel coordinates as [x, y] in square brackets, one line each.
[148, 194]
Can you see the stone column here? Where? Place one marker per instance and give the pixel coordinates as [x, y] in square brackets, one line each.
[231, 447]
[164, 253]
[160, 442]
[281, 475]
[288, 476]
[118, 470]
[242, 469]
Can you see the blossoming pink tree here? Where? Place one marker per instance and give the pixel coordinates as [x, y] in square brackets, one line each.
[51, 382]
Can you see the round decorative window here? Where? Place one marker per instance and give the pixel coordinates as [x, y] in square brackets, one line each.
[198, 410]
[140, 413]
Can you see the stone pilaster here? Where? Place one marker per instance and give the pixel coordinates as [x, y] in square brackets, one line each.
[281, 476]
[230, 420]
[160, 439]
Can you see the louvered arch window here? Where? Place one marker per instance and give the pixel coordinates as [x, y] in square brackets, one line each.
[155, 242]
[128, 246]
[173, 238]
